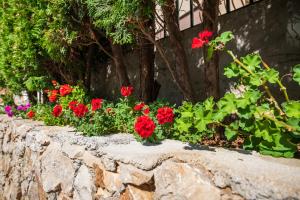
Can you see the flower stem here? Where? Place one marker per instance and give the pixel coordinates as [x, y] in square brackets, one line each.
[272, 99]
[282, 88]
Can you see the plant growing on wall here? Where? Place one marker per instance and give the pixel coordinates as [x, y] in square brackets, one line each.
[255, 114]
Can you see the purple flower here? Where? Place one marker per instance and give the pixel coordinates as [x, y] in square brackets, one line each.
[20, 107]
[10, 113]
[7, 108]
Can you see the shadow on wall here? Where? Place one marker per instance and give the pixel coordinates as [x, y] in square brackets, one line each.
[271, 27]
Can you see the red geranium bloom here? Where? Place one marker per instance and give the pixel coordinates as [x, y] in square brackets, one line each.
[146, 111]
[203, 39]
[165, 115]
[205, 35]
[53, 95]
[96, 104]
[197, 43]
[57, 110]
[65, 90]
[144, 126]
[139, 106]
[126, 91]
[31, 114]
[72, 105]
[80, 110]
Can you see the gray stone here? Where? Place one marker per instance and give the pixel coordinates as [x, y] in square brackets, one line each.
[183, 181]
[135, 176]
[83, 185]
[57, 172]
[73, 151]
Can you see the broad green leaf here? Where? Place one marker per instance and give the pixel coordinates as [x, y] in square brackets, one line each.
[230, 134]
[232, 70]
[255, 80]
[227, 103]
[252, 61]
[262, 129]
[225, 37]
[296, 75]
[271, 75]
[292, 108]
[251, 143]
[209, 104]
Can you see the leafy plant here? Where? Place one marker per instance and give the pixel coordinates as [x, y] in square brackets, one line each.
[269, 127]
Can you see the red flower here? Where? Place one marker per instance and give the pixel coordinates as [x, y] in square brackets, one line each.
[96, 104]
[57, 110]
[203, 39]
[54, 82]
[144, 126]
[165, 115]
[139, 106]
[80, 110]
[30, 114]
[53, 95]
[205, 35]
[126, 91]
[72, 105]
[146, 111]
[65, 90]
[197, 43]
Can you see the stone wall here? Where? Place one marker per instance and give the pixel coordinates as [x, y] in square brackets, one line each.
[271, 27]
[42, 162]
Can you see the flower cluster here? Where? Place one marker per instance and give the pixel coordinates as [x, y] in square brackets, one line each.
[57, 110]
[203, 39]
[142, 107]
[8, 111]
[23, 107]
[65, 90]
[126, 91]
[144, 126]
[80, 110]
[96, 104]
[165, 115]
[30, 114]
[53, 95]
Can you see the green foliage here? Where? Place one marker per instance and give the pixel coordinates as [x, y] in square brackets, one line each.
[296, 75]
[36, 83]
[192, 121]
[268, 128]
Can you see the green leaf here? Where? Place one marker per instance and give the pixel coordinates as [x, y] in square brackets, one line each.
[251, 142]
[255, 80]
[227, 103]
[271, 75]
[230, 134]
[232, 70]
[292, 108]
[252, 61]
[296, 75]
[225, 37]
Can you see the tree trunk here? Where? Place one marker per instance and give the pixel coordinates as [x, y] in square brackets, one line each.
[147, 56]
[121, 70]
[171, 20]
[211, 68]
[89, 63]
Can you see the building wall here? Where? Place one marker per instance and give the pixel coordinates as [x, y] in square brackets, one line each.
[271, 27]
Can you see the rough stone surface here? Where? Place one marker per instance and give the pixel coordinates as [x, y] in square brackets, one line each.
[83, 185]
[56, 163]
